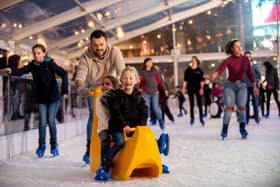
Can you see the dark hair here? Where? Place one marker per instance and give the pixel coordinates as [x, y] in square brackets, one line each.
[268, 66]
[13, 61]
[145, 61]
[229, 45]
[40, 46]
[113, 79]
[247, 52]
[98, 34]
[197, 60]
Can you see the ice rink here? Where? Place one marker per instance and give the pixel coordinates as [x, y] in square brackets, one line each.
[198, 157]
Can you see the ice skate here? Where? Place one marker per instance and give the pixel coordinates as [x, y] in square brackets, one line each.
[243, 131]
[102, 175]
[165, 169]
[86, 158]
[41, 150]
[163, 143]
[224, 131]
[54, 150]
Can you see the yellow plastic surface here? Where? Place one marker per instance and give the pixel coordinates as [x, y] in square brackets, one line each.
[139, 157]
[95, 141]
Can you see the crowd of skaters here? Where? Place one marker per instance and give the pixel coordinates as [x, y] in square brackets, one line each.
[102, 59]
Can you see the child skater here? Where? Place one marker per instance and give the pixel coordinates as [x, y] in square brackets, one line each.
[44, 70]
[109, 84]
[127, 109]
[181, 100]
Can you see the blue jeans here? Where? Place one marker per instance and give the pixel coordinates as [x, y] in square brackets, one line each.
[105, 142]
[47, 114]
[152, 101]
[235, 93]
[118, 144]
[255, 103]
[90, 101]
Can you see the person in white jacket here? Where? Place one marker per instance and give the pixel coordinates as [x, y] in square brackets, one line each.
[108, 85]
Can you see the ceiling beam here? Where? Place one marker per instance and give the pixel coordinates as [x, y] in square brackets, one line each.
[8, 3]
[116, 23]
[64, 17]
[94, 18]
[159, 24]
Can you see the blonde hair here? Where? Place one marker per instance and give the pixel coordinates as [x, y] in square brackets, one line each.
[130, 69]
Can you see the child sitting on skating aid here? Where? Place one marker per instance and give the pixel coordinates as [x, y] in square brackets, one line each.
[109, 84]
[128, 109]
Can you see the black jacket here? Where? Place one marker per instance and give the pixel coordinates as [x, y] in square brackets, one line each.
[44, 78]
[193, 77]
[127, 110]
[271, 76]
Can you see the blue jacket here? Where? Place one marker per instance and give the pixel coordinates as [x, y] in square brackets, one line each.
[46, 87]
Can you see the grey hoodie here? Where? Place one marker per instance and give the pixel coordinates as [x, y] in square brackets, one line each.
[91, 69]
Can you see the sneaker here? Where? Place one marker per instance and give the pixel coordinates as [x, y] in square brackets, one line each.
[54, 150]
[163, 143]
[102, 175]
[41, 150]
[165, 169]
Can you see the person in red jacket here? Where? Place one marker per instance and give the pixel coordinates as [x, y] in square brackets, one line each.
[235, 88]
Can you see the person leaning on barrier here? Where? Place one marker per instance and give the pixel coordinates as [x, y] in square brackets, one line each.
[44, 71]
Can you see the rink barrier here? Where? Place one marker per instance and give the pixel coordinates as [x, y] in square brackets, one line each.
[27, 141]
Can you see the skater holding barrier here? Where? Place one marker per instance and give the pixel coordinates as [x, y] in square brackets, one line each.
[44, 70]
[235, 89]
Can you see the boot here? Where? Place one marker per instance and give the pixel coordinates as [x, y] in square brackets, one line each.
[86, 155]
[243, 131]
[224, 131]
[41, 149]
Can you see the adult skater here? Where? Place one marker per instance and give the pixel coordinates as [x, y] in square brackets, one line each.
[235, 89]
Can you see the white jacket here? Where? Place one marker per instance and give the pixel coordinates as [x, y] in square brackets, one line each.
[103, 115]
